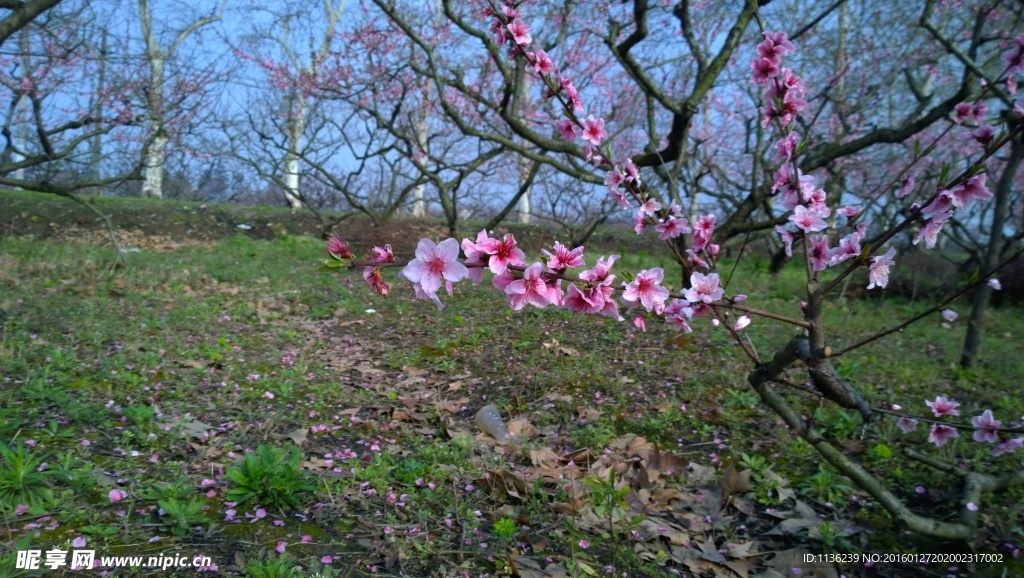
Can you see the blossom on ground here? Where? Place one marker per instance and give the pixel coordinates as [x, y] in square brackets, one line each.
[949, 315]
[994, 284]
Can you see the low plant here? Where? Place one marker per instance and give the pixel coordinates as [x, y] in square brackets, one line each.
[826, 486]
[271, 476]
[280, 567]
[504, 529]
[21, 478]
[182, 516]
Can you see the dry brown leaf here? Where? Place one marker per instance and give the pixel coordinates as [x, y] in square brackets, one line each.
[529, 568]
[710, 552]
[298, 436]
[638, 447]
[734, 481]
[353, 322]
[193, 363]
[667, 463]
[507, 482]
[545, 457]
[662, 501]
[572, 508]
[521, 428]
[445, 405]
[742, 567]
[588, 413]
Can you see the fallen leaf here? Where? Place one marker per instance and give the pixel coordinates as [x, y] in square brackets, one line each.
[529, 568]
[710, 552]
[734, 482]
[544, 457]
[507, 482]
[192, 363]
[521, 428]
[298, 436]
[572, 508]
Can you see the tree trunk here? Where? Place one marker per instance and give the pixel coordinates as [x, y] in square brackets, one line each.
[525, 180]
[156, 150]
[153, 176]
[972, 340]
[296, 126]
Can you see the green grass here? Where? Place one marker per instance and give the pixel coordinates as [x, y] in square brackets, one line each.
[177, 356]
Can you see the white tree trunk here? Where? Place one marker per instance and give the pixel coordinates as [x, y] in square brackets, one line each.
[291, 181]
[523, 208]
[156, 150]
[153, 175]
[296, 126]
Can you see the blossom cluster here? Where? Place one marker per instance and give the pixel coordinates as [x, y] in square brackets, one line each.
[986, 427]
[797, 192]
[540, 284]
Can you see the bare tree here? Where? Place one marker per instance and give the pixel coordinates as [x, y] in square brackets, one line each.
[157, 56]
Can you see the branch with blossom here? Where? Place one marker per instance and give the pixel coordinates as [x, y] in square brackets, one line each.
[593, 291]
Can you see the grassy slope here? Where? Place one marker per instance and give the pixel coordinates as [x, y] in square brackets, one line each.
[207, 334]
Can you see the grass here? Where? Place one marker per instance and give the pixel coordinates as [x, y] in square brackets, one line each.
[185, 381]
